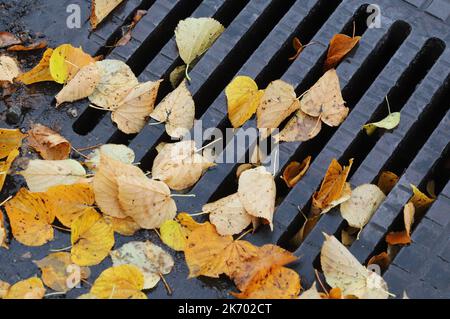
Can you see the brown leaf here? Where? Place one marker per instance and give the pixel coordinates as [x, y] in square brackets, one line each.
[7, 39]
[298, 47]
[49, 144]
[387, 181]
[295, 171]
[300, 128]
[403, 237]
[340, 46]
[127, 30]
[29, 47]
[383, 260]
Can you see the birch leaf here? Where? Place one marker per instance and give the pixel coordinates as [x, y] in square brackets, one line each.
[420, 201]
[295, 171]
[340, 46]
[300, 128]
[390, 122]
[117, 152]
[9, 69]
[173, 235]
[124, 226]
[66, 61]
[40, 73]
[100, 9]
[5, 166]
[177, 110]
[48, 143]
[31, 288]
[10, 139]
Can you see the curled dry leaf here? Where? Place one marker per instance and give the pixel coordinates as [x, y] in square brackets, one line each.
[40, 73]
[127, 30]
[383, 260]
[324, 100]
[66, 61]
[295, 171]
[119, 282]
[117, 152]
[387, 181]
[388, 123]
[333, 189]
[149, 258]
[147, 201]
[5, 166]
[298, 47]
[7, 39]
[124, 226]
[403, 237]
[81, 86]
[420, 201]
[177, 76]
[92, 238]
[30, 218]
[57, 274]
[228, 215]
[342, 270]
[179, 165]
[9, 69]
[242, 168]
[28, 47]
[10, 140]
[40, 175]
[31, 288]
[177, 110]
[361, 206]
[48, 143]
[340, 46]
[300, 128]
[278, 102]
[100, 9]
[243, 98]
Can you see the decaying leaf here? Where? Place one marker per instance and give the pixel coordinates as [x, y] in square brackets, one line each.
[124, 226]
[173, 235]
[9, 69]
[48, 143]
[40, 73]
[340, 46]
[382, 260]
[177, 76]
[403, 237]
[300, 128]
[179, 165]
[145, 200]
[257, 193]
[420, 201]
[308, 225]
[56, 272]
[295, 171]
[92, 238]
[100, 9]
[127, 30]
[149, 258]
[333, 190]
[361, 206]
[342, 270]
[243, 98]
[66, 61]
[390, 122]
[194, 36]
[324, 100]
[298, 47]
[30, 218]
[2, 240]
[277, 103]
[119, 282]
[347, 237]
[10, 139]
[228, 215]
[387, 181]
[40, 175]
[117, 152]
[31, 288]
[5, 166]
[7, 39]
[177, 110]
[29, 47]
[81, 86]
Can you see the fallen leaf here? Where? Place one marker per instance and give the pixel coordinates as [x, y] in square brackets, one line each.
[133, 111]
[387, 181]
[127, 30]
[243, 98]
[30, 218]
[9, 69]
[5, 166]
[194, 36]
[48, 143]
[300, 128]
[242, 168]
[298, 47]
[342, 270]
[119, 282]
[403, 237]
[295, 171]
[68, 202]
[4, 287]
[57, 274]
[347, 238]
[66, 61]
[31, 288]
[40, 175]
[179, 165]
[2, 241]
[361, 206]
[257, 193]
[324, 100]
[188, 222]
[116, 81]
[124, 226]
[29, 47]
[40, 73]
[333, 187]
[92, 238]
[117, 152]
[177, 76]
[390, 122]
[7, 39]
[312, 293]
[382, 260]
[81, 86]
[431, 189]
[306, 228]
[277, 103]
[177, 110]
[10, 140]
[173, 235]
[147, 201]
[420, 201]
[149, 258]
[100, 9]
[228, 215]
[340, 46]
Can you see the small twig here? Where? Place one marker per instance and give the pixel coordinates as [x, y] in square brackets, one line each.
[61, 249]
[6, 200]
[244, 234]
[388, 105]
[82, 149]
[79, 153]
[169, 290]
[62, 228]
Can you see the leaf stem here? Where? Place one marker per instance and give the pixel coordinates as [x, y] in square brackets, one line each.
[166, 284]
[61, 249]
[62, 228]
[79, 153]
[187, 73]
[5, 201]
[199, 214]
[244, 234]
[388, 105]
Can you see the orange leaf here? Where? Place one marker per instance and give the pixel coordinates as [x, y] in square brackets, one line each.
[340, 46]
[29, 47]
[403, 237]
[387, 181]
[295, 171]
[383, 260]
[49, 144]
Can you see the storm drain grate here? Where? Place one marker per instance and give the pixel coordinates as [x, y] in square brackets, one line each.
[406, 59]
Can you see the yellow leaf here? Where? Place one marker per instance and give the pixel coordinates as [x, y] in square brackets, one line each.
[403, 237]
[9, 141]
[57, 273]
[420, 201]
[115, 151]
[173, 235]
[4, 287]
[243, 99]
[2, 237]
[66, 61]
[340, 46]
[124, 226]
[188, 222]
[40, 73]
[119, 282]
[295, 171]
[92, 238]
[390, 122]
[387, 181]
[100, 9]
[30, 218]
[9, 69]
[6, 165]
[49, 144]
[31, 288]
